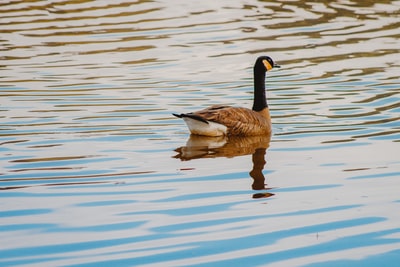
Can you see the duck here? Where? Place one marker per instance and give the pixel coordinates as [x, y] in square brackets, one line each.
[223, 120]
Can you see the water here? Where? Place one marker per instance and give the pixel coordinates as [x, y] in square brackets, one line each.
[95, 170]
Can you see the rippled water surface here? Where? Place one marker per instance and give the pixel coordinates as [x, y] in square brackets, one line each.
[95, 171]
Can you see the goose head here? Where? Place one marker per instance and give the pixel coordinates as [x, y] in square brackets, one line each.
[264, 64]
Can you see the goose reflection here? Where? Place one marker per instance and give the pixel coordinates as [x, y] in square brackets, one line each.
[212, 147]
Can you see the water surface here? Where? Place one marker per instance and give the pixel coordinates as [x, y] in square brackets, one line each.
[95, 170]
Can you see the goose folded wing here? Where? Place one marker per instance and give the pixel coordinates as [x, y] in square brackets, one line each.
[239, 121]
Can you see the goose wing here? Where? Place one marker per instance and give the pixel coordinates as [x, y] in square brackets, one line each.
[238, 120]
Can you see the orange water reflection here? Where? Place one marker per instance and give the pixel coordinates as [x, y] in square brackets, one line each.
[212, 147]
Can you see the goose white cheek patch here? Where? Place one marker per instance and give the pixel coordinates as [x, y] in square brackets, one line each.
[267, 65]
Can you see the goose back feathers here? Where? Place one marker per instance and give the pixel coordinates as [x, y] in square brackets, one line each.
[227, 120]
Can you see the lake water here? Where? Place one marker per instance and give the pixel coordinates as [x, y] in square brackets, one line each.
[95, 171]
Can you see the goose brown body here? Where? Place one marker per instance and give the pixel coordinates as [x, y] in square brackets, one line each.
[221, 120]
[237, 120]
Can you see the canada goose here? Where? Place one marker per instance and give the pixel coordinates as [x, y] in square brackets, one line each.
[219, 120]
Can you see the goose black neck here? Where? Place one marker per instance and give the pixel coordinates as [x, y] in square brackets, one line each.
[260, 100]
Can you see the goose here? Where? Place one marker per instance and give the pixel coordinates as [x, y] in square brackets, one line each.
[221, 120]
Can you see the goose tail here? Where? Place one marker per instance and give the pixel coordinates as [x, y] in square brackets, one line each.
[200, 126]
[191, 116]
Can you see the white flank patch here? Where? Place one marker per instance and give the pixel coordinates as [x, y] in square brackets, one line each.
[202, 128]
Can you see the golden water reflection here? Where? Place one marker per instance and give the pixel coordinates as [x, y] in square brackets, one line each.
[212, 147]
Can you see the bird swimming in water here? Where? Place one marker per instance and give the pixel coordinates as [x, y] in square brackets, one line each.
[219, 120]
